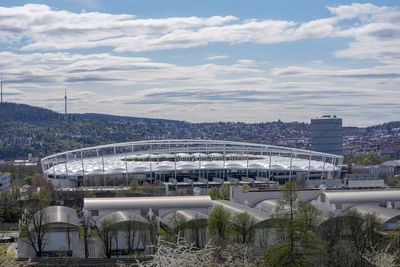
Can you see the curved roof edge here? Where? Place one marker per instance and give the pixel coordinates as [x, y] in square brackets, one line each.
[235, 209]
[121, 217]
[178, 217]
[177, 141]
[385, 215]
[59, 214]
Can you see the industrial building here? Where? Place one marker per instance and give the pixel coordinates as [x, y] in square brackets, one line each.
[188, 215]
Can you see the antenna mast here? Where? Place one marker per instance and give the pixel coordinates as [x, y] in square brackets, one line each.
[65, 100]
[1, 85]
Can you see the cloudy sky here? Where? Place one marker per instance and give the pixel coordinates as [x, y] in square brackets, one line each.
[205, 60]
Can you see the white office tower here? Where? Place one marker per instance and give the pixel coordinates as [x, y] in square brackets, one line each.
[327, 135]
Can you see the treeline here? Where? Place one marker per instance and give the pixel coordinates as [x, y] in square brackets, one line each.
[369, 158]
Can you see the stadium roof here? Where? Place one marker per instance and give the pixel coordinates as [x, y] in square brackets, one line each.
[370, 196]
[128, 203]
[182, 155]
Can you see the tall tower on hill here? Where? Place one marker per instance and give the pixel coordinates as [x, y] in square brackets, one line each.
[1, 86]
[65, 101]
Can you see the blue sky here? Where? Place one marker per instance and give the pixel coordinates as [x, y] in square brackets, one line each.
[207, 60]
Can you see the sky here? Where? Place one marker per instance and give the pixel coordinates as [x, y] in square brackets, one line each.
[205, 61]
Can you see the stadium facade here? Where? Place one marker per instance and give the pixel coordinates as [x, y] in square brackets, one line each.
[175, 160]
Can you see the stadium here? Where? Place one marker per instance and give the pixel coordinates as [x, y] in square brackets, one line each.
[173, 161]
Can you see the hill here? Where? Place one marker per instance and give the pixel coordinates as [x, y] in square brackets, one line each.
[27, 129]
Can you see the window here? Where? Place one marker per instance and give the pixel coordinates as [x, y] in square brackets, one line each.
[94, 213]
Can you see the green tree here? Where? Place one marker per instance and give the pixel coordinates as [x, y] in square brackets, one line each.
[298, 243]
[106, 233]
[224, 191]
[353, 240]
[213, 193]
[243, 227]
[219, 225]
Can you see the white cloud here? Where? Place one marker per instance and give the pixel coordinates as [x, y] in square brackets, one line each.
[216, 57]
[375, 30]
[114, 82]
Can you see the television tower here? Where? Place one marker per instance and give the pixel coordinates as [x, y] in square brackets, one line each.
[65, 101]
[1, 86]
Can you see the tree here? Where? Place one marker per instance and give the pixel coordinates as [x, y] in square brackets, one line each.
[219, 225]
[183, 254]
[153, 231]
[246, 188]
[353, 239]
[243, 227]
[35, 229]
[175, 227]
[106, 233]
[85, 233]
[224, 191]
[213, 193]
[298, 243]
[131, 229]
[362, 233]
[7, 259]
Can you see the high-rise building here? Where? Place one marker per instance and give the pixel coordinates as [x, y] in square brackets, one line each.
[327, 135]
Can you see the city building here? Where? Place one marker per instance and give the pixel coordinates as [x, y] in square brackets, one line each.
[5, 181]
[184, 160]
[327, 135]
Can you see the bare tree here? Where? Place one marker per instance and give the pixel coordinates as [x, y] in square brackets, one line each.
[106, 232]
[150, 239]
[183, 254]
[86, 228]
[198, 229]
[131, 230]
[35, 229]
[175, 226]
